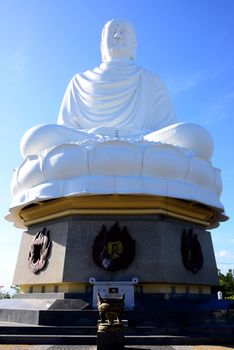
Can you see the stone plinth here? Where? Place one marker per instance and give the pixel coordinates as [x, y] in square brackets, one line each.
[157, 263]
[107, 341]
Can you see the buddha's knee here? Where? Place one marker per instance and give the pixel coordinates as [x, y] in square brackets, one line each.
[46, 136]
[186, 135]
[41, 137]
[194, 138]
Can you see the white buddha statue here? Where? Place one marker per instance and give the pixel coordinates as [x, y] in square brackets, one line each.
[117, 99]
[117, 133]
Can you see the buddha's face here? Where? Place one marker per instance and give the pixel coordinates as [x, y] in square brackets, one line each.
[118, 41]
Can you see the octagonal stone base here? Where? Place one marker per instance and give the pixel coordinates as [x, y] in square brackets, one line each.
[157, 265]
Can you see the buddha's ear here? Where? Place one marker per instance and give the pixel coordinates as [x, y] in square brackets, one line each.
[102, 52]
[104, 31]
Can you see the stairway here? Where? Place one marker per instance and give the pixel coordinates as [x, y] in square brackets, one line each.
[153, 322]
[136, 334]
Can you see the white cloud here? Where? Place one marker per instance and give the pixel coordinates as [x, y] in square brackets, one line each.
[181, 83]
[225, 254]
[221, 108]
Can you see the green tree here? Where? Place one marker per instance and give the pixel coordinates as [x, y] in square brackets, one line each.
[4, 294]
[16, 290]
[7, 295]
[226, 283]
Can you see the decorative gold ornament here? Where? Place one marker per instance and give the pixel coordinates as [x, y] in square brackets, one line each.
[39, 251]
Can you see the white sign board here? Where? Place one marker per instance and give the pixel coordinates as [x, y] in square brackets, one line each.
[109, 289]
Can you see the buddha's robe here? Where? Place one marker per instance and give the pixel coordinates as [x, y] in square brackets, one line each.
[117, 95]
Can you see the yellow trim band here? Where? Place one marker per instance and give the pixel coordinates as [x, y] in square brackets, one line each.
[140, 288]
[117, 204]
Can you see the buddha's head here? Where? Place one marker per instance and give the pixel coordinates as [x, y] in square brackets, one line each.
[118, 41]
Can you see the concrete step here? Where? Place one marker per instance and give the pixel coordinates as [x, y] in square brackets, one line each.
[47, 330]
[156, 315]
[178, 340]
[38, 339]
[27, 331]
[129, 340]
[19, 329]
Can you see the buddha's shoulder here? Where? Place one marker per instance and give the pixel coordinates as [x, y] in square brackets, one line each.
[78, 77]
[151, 76]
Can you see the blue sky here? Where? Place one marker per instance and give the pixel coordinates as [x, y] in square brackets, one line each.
[188, 43]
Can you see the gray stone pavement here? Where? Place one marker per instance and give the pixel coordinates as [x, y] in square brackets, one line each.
[85, 347]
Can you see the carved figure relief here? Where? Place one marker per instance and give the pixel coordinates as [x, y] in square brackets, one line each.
[113, 249]
[39, 251]
[191, 251]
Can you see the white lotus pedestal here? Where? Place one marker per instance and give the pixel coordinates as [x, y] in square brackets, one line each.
[162, 242]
